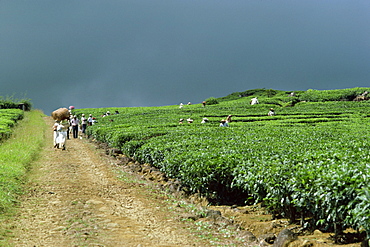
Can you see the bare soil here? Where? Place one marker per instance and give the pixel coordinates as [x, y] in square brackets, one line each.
[81, 197]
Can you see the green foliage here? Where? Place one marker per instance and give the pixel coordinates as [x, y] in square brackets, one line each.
[360, 213]
[309, 161]
[16, 154]
[25, 104]
[271, 92]
[8, 118]
[262, 92]
[332, 95]
[211, 101]
[10, 103]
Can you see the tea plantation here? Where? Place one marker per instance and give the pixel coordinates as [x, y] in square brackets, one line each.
[8, 118]
[309, 162]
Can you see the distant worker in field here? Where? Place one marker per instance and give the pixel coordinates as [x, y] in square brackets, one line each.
[254, 101]
[181, 120]
[181, 105]
[271, 112]
[83, 124]
[62, 134]
[228, 119]
[204, 120]
[74, 123]
[223, 123]
[190, 120]
[204, 104]
[90, 120]
[116, 112]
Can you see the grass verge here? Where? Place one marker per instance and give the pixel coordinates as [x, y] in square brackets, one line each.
[16, 155]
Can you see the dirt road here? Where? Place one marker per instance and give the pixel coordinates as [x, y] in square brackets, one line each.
[75, 199]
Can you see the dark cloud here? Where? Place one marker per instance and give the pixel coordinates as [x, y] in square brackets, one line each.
[145, 53]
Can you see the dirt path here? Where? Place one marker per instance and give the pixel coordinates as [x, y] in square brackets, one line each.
[75, 199]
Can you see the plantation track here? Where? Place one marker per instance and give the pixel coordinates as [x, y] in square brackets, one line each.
[75, 199]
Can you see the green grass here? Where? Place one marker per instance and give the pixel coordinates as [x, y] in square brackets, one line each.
[16, 154]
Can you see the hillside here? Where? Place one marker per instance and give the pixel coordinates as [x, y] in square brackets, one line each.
[286, 161]
[280, 97]
[304, 169]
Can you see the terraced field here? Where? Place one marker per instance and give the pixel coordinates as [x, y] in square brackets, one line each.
[309, 162]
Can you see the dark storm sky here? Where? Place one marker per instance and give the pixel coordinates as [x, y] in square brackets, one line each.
[162, 52]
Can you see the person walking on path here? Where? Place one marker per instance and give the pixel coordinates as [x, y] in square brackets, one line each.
[68, 127]
[83, 124]
[62, 134]
[74, 123]
[55, 134]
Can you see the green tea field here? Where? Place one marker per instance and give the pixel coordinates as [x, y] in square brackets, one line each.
[309, 162]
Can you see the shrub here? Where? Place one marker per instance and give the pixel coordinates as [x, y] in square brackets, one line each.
[10, 103]
[332, 95]
[211, 101]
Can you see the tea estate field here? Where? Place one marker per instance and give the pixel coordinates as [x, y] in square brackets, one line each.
[308, 163]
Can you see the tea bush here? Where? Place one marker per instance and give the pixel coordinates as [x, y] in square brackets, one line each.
[309, 162]
[8, 118]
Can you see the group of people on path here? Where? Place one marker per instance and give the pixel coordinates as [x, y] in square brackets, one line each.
[63, 128]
